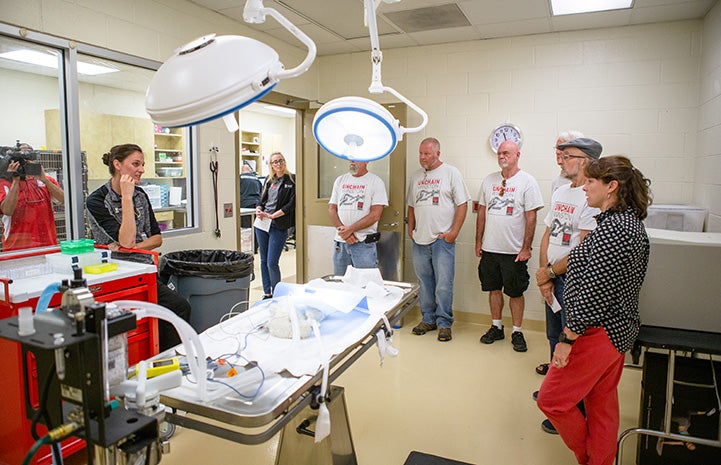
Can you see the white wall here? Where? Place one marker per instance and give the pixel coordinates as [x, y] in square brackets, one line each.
[278, 134]
[23, 117]
[635, 89]
[707, 187]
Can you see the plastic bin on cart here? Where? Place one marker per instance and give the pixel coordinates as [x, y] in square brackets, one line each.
[213, 281]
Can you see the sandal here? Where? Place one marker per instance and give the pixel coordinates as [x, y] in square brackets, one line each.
[542, 369]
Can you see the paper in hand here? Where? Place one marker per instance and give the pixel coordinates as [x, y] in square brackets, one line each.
[262, 223]
[555, 305]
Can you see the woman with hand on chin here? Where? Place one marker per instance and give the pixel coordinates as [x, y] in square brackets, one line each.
[604, 277]
[120, 215]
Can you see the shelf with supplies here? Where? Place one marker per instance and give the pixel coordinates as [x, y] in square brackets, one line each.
[250, 149]
[169, 159]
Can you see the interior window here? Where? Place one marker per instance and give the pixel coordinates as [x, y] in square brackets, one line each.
[29, 86]
[330, 167]
[112, 112]
[41, 119]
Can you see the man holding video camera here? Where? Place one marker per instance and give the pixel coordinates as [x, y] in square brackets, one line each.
[26, 196]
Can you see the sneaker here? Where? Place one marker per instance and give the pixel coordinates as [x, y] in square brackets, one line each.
[518, 341]
[548, 427]
[492, 335]
[423, 327]
[444, 334]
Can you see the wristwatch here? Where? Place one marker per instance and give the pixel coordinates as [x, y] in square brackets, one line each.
[551, 274]
[562, 338]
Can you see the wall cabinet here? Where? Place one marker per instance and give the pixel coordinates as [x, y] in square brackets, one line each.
[169, 157]
[250, 150]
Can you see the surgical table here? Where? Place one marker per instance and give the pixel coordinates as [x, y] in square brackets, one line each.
[283, 397]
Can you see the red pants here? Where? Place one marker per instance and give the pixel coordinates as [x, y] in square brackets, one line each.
[592, 374]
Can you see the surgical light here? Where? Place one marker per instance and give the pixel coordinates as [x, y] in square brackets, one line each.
[213, 76]
[357, 128]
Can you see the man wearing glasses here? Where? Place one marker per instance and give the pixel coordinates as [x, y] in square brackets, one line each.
[567, 224]
[508, 201]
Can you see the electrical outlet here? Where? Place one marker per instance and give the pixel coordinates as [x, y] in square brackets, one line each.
[227, 210]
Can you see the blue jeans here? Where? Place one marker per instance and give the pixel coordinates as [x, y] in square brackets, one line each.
[434, 265]
[555, 322]
[360, 255]
[271, 245]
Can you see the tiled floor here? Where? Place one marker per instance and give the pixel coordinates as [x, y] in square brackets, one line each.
[461, 400]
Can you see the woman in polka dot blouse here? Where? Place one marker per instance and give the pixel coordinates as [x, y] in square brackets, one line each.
[604, 277]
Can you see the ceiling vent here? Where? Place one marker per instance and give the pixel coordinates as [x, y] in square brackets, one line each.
[428, 19]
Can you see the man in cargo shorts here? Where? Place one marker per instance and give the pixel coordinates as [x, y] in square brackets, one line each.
[506, 221]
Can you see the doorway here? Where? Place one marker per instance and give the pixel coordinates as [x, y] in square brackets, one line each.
[320, 170]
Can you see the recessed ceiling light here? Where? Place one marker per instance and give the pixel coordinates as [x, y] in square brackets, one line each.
[572, 7]
[284, 110]
[51, 61]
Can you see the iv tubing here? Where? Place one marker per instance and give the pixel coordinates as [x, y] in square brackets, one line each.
[194, 349]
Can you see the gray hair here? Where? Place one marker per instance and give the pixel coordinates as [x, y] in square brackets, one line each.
[566, 136]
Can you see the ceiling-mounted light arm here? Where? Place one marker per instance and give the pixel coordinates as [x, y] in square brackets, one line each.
[414, 107]
[377, 86]
[255, 12]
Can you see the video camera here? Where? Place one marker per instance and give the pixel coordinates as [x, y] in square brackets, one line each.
[24, 155]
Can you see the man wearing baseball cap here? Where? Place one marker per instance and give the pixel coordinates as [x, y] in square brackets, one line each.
[567, 223]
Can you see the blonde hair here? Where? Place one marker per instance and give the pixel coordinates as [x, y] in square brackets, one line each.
[273, 177]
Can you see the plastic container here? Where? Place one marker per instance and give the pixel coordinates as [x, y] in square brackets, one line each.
[687, 218]
[154, 194]
[77, 246]
[64, 263]
[169, 171]
[213, 281]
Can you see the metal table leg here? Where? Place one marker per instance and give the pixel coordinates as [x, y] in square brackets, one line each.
[297, 443]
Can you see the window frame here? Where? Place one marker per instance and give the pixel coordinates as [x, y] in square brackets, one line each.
[69, 108]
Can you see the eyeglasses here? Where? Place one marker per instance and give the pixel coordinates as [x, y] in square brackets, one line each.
[566, 156]
[502, 190]
[277, 162]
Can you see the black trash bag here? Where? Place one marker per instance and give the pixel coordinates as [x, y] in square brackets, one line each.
[212, 264]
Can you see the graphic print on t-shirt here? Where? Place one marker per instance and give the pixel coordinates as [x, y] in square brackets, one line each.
[561, 227]
[353, 196]
[502, 204]
[429, 191]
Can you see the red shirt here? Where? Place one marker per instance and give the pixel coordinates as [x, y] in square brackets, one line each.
[33, 222]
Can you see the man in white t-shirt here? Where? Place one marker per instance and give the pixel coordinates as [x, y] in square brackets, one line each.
[437, 204]
[355, 207]
[567, 224]
[508, 202]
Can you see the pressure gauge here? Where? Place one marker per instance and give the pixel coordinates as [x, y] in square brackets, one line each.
[504, 132]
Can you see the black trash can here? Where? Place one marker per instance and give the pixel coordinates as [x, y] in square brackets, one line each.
[213, 281]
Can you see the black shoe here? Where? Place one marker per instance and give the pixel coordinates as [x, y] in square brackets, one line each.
[548, 427]
[518, 341]
[267, 296]
[535, 395]
[542, 369]
[492, 335]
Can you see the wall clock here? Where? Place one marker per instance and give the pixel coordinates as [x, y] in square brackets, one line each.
[504, 132]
